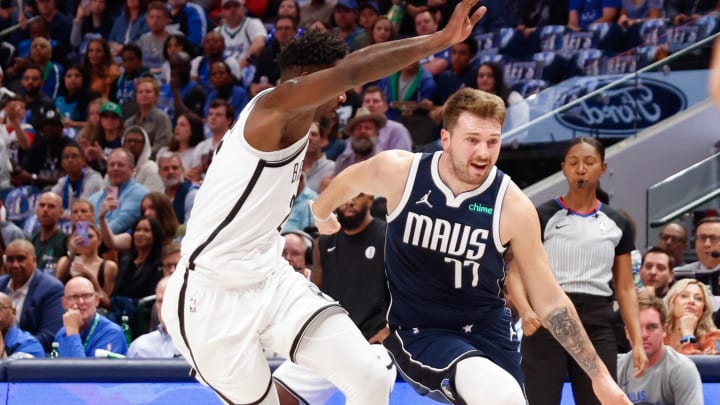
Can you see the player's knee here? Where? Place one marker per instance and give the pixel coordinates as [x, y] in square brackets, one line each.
[374, 378]
[478, 378]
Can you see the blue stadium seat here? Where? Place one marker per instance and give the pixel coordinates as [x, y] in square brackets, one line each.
[551, 37]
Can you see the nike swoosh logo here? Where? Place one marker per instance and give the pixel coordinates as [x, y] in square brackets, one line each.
[330, 249]
[561, 226]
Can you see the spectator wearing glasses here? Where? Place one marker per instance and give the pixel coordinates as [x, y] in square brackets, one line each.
[84, 329]
[15, 342]
[707, 249]
[673, 239]
[170, 258]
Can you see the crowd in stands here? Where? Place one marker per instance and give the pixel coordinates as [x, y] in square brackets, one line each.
[112, 110]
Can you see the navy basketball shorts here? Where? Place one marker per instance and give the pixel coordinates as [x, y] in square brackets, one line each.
[426, 357]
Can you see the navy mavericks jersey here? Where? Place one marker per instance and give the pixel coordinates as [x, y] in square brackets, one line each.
[444, 258]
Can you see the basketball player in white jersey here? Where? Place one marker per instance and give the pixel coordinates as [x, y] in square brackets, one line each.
[233, 295]
[438, 260]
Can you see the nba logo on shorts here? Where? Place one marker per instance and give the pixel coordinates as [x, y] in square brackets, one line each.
[193, 304]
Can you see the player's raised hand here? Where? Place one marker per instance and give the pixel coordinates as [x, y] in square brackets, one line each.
[462, 21]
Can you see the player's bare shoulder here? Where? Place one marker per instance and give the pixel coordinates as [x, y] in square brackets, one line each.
[518, 214]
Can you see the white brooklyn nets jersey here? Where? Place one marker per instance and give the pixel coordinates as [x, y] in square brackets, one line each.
[232, 236]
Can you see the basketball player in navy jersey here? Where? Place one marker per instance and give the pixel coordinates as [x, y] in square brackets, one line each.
[451, 217]
[233, 295]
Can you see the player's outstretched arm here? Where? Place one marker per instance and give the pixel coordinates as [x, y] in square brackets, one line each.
[520, 226]
[382, 175]
[372, 63]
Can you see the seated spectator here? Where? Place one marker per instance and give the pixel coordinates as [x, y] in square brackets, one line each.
[225, 88]
[155, 122]
[268, 70]
[36, 101]
[108, 137]
[298, 251]
[86, 262]
[219, 119]
[73, 100]
[539, 13]
[393, 135]
[41, 55]
[59, 23]
[82, 210]
[426, 24]
[9, 232]
[122, 90]
[707, 243]
[187, 135]
[124, 201]
[88, 135]
[368, 13]
[656, 271]
[345, 15]
[381, 31]
[190, 20]
[35, 294]
[156, 344]
[80, 180]
[174, 44]
[671, 377]
[690, 328]
[102, 70]
[315, 10]
[681, 11]
[151, 43]
[673, 239]
[460, 73]
[41, 166]
[418, 86]
[583, 13]
[634, 11]
[154, 205]
[244, 36]
[329, 125]
[84, 329]
[180, 191]
[170, 258]
[213, 51]
[316, 166]
[128, 26]
[137, 142]
[49, 242]
[15, 342]
[92, 20]
[491, 78]
[363, 130]
[140, 268]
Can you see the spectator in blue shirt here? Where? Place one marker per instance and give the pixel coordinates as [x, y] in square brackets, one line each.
[585, 12]
[125, 205]
[225, 88]
[84, 329]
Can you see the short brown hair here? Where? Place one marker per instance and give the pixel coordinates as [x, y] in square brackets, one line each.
[476, 102]
[646, 300]
[155, 85]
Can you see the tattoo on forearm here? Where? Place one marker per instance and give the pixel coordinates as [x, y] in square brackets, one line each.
[570, 334]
